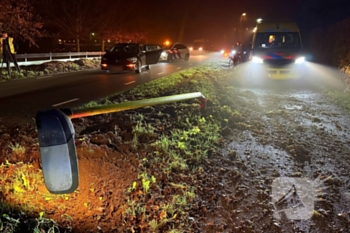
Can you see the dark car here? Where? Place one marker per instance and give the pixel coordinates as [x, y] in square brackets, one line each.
[130, 56]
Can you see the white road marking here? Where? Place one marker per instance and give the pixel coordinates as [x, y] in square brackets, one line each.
[160, 73]
[178, 68]
[45, 77]
[129, 83]
[65, 102]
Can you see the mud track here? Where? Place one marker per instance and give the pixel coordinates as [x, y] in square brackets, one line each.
[294, 131]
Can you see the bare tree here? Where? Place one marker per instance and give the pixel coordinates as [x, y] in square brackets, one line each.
[120, 22]
[18, 18]
[73, 18]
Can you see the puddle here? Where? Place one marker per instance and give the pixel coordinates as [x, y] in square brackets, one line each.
[293, 107]
[263, 156]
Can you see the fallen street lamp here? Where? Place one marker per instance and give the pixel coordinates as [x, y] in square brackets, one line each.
[58, 154]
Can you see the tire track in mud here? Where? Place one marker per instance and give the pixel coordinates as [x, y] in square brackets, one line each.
[290, 134]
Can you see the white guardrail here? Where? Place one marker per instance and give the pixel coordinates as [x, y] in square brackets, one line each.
[40, 58]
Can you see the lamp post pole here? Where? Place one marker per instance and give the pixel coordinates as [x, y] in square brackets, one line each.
[242, 19]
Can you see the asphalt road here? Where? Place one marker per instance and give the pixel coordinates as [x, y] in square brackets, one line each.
[20, 100]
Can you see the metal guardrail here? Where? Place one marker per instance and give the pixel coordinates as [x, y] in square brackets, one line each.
[27, 59]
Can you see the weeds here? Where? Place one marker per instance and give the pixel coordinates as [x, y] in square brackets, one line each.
[17, 149]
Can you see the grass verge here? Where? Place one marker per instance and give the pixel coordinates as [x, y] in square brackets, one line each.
[172, 144]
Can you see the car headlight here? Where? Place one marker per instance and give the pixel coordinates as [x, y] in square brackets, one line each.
[299, 60]
[257, 60]
[132, 59]
[163, 54]
[233, 52]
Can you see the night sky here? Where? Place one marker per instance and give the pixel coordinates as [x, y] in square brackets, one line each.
[215, 19]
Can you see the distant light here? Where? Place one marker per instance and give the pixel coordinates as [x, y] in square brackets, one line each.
[259, 20]
[167, 42]
[92, 33]
[254, 30]
[244, 14]
[109, 41]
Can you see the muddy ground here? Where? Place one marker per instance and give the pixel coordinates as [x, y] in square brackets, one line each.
[283, 129]
[295, 131]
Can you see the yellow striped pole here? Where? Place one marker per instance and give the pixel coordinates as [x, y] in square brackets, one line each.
[134, 105]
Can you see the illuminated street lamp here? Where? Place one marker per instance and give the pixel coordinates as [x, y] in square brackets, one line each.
[243, 17]
[166, 42]
[240, 31]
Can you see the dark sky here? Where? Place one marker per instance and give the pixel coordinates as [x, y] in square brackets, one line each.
[214, 19]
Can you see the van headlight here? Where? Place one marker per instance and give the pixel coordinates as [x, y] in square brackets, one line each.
[257, 60]
[163, 54]
[300, 60]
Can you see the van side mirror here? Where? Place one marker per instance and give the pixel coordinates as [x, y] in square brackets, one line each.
[57, 151]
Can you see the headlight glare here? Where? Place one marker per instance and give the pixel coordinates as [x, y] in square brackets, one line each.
[257, 60]
[299, 60]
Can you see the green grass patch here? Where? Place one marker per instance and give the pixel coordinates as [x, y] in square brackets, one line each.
[341, 98]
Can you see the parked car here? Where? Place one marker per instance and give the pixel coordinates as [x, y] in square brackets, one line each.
[175, 51]
[130, 56]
